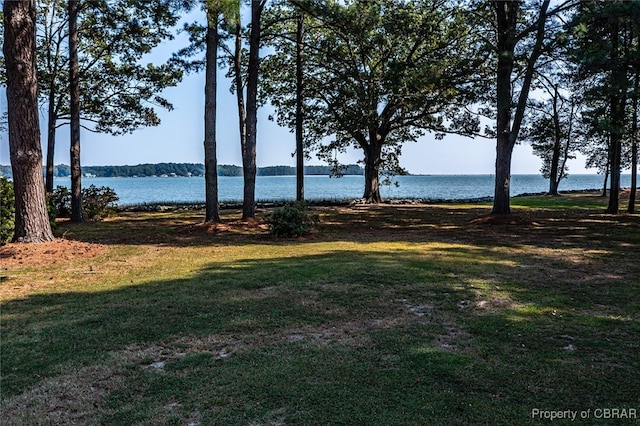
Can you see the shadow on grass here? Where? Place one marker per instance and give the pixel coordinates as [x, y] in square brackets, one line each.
[454, 335]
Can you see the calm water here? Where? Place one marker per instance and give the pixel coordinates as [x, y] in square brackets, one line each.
[269, 188]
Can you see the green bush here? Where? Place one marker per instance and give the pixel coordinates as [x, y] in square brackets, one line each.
[291, 220]
[7, 210]
[60, 202]
[97, 202]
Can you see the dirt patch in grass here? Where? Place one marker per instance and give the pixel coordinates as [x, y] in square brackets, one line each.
[504, 219]
[233, 226]
[61, 249]
[70, 399]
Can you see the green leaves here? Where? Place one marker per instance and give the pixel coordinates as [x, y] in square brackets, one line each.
[392, 69]
[119, 92]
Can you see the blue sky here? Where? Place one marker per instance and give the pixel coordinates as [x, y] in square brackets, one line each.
[180, 135]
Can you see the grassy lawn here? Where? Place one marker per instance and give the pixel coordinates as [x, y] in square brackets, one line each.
[386, 315]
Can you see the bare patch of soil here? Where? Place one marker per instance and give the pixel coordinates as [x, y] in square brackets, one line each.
[22, 254]
[69, 399]
[503, 219]
[234, 226]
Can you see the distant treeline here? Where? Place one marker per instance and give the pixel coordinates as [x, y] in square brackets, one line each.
[188, 169]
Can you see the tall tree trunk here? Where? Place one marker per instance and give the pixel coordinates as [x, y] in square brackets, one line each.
[212, 208]
[617, 111]
[31, 221]
[557, 141]
[74, 88]
[51, 142]
[634, 146]
[506, 18]
[249, 151]
[239, 88]
[507, 12]
[299, 109]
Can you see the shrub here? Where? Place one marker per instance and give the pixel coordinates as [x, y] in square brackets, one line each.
[97, 202]
[7, 210]
[291, 220]
[60, 202]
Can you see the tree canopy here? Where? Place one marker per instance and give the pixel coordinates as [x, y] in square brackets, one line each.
[377, 74]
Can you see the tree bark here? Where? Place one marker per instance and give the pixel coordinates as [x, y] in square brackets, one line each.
[249, 151]
[51, 141]
[617, 103]
[606, 182]
[634, 146]
[242, 112]
[557, 141]
[31, 221]
[372, 160]
[74, 88]
[299, 109]
[212, 208]
[506, 19]
[507, 12]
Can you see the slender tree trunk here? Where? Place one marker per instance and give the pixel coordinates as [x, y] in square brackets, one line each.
[249, 151]
[31, 221]
[212, 210]
[299, 109]
[239, 87]
[51, 140]
[606, 182]
[555, 157]
[634, 146]
[74, 88]
[567, 145]
[237, 70]
[617, 103]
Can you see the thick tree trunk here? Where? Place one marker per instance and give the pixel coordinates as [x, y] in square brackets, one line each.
[31, 221]
[51, 142]
[212, 209]
[507, 13]
[299, 109]
[372, 158]
[506, 17]
[501, 196]
[74, 88]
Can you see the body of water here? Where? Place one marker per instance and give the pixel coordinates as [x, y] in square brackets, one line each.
[271, 188]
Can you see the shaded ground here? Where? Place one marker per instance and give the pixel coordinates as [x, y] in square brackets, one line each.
[385, 315]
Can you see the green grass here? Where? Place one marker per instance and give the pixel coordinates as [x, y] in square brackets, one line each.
[390, 315]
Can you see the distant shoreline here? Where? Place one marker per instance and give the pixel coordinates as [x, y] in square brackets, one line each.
[189, 169]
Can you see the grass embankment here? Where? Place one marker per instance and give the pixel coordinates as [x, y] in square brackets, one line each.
[386, 315]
